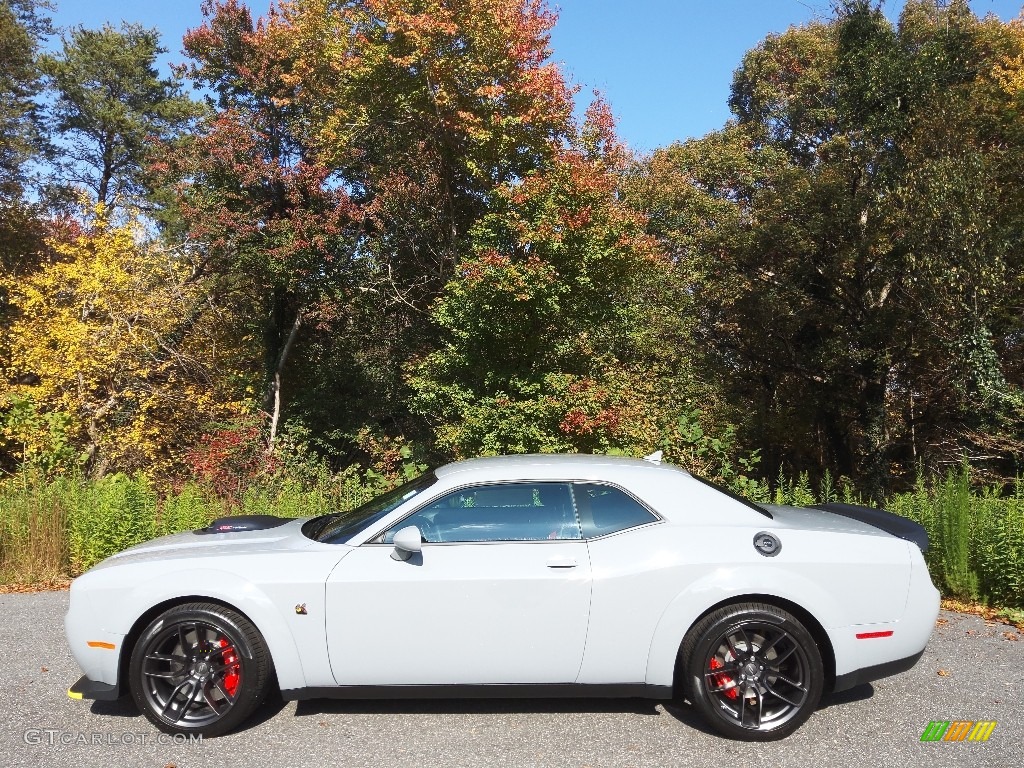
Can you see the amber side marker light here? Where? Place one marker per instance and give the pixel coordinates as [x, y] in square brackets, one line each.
[100, 644]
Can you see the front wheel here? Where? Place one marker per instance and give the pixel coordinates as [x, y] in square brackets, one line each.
[199, 668]
[753, 670]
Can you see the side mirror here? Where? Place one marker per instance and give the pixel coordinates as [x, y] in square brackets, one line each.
[407, 541]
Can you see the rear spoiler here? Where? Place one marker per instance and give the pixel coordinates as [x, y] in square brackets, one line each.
[898, 526]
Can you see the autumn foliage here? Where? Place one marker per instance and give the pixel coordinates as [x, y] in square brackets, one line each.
[107, 341]
[383, 235]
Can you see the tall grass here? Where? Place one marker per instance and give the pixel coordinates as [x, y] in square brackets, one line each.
[111, 514]
[52, 529]
[191, 508]
[33, 529]
[977, 538]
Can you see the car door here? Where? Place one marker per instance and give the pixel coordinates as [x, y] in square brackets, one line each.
[499, 594]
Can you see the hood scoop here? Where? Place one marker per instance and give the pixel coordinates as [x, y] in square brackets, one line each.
[240, 523]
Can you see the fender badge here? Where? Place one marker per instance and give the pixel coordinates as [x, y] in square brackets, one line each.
[301, 609]
[767, 544]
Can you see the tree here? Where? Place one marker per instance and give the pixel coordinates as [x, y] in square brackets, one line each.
[111, 108]
[277, 230]
[22, 28]
[423, 109]
[114, 351]
[22, 225]
[855, 240]
[353, 147]
[562, 330]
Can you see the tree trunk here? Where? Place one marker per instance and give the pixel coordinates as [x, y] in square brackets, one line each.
[874, 470]
[277, 357]
[106, 172]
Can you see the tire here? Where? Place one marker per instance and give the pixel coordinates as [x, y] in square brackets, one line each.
[753, 671]
[199, 668]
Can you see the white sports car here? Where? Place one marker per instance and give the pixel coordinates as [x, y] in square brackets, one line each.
[513, 576]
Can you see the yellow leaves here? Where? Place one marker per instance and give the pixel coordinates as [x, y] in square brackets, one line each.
[1009, 71]
[107, 333]
[1010, 75]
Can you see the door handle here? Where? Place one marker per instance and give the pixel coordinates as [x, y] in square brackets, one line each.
[562, 562]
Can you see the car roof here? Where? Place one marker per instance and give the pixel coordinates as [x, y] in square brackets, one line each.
[554, 465]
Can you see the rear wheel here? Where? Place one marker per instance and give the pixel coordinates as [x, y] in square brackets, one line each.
[753, 670]
[199, 668]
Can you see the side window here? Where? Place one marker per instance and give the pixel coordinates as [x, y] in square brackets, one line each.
[500, 512]
[604, 509]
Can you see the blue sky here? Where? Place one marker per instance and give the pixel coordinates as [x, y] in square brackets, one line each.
[665, 65]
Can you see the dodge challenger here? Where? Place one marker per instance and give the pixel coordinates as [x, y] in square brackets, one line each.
[545, 575]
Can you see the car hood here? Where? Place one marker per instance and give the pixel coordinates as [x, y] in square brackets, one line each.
[205, 544]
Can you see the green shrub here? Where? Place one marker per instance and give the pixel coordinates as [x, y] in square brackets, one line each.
[113, 513]
[998, 557]
[977, 538]
[191, 508]
[53, 528]
[955, 511]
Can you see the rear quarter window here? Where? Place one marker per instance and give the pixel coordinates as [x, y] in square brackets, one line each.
[604, 509]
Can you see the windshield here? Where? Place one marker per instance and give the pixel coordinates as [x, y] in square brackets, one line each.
[339, 527]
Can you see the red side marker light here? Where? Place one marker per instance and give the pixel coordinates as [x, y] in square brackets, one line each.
[870, 635]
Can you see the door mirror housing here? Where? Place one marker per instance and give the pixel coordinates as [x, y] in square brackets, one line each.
[407, 541]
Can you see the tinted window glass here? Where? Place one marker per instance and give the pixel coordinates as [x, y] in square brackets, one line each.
[604, 509]
[505, 512]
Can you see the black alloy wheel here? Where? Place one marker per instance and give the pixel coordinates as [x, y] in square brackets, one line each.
[199, 668]
[753, 670]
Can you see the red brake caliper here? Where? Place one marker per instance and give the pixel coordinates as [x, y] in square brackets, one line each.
[721, 679]
[231, 673]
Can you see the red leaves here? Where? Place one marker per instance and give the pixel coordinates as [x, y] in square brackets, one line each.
[596, 412]
[576, 219]
[577, 422]
[231, 458]
[407, 103]
[518, 279]
[239, 191]
[599, 138]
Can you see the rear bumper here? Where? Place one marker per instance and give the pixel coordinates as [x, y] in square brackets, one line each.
[90, 689]
[865, 652]
[877, 672]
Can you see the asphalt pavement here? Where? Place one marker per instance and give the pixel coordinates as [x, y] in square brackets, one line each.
[972, 670]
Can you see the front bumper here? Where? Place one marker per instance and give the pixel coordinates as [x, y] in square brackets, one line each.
[97, 650]
[90, 689]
